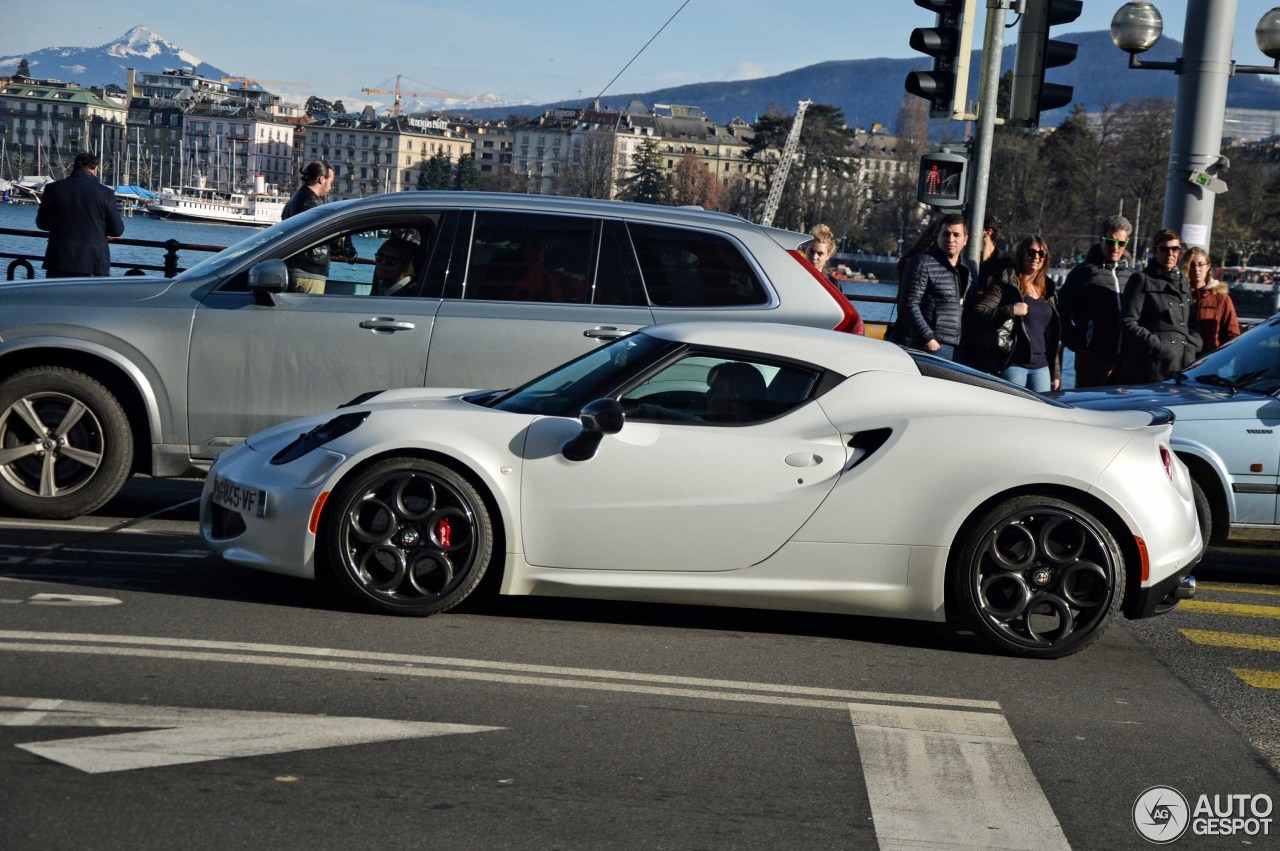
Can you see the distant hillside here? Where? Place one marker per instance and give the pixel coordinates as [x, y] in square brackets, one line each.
[139, 48]
[870, 90]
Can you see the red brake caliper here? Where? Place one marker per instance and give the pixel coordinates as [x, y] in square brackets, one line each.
[444, 532]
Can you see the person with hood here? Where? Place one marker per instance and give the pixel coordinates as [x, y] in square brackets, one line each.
[1091, 303]
[1159, 315]
[1215, 312]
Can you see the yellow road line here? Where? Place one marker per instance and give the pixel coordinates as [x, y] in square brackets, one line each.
[1258, 679]
[1232, 639]
[1243, 589]
[1239, 609]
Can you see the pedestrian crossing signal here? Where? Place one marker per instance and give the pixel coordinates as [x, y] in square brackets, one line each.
[943, 176]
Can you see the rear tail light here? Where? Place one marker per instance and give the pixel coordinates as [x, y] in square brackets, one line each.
[1166, 458]
[850, 320]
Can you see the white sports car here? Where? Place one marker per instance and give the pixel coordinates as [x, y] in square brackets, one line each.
[738, 464]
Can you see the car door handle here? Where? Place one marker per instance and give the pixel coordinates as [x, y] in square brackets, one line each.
[803, 459]
[386, 323]
[606, 332]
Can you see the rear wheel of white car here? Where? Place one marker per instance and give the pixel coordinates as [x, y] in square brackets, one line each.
[1040, 577]
[65, 443]
[407, 536]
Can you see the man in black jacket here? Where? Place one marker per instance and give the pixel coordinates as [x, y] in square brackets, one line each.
[79, 213]
[932, 286]
[1091, 304]
[1158, 320]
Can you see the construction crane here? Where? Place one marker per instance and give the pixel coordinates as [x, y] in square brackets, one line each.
[784, 165]
[400, 94]
[250, 80]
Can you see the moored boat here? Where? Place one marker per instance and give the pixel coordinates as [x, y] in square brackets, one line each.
[200, 203]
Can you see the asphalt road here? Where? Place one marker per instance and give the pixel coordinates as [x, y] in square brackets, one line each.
[152, 697]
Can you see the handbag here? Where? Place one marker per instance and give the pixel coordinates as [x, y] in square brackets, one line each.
[1003, 336]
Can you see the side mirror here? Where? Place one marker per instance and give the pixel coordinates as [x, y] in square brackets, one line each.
[268, 278]
[601, 417]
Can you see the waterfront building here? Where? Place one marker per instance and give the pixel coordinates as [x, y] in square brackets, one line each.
[229, 145]
[372, 154]
[45, 123]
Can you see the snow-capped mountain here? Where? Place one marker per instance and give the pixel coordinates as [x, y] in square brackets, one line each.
[139, 48]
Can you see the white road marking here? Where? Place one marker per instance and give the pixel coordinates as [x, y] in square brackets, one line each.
[196, 735]
[950, 779]
[436, 666]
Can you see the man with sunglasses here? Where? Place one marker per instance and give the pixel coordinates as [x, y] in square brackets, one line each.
[1159, 339]
[1091, 303]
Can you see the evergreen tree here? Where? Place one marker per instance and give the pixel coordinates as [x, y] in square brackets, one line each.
[24, 68]
[317, 106]
[439, 171]
[465, 174]
[338, 107]
[645, 183]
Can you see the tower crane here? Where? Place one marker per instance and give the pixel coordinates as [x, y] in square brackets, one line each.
[400, 94]
[784, 165]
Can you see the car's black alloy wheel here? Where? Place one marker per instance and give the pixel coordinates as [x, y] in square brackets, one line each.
[407, 536]
[65, 443]
[1040, 577]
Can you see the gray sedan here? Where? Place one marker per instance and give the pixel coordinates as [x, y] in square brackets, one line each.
[101, 378]
[1227, 430]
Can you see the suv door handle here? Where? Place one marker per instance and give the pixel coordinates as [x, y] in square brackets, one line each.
[386, 323]
[606, 332]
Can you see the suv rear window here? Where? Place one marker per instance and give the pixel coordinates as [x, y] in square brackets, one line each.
[687, 268]
[527, 257]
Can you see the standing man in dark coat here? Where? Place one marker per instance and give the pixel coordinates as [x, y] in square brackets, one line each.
[79, 213]
[1159, 339]
[1091, 304]
[933, 283]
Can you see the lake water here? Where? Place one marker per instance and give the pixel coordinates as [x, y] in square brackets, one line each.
[23, 217]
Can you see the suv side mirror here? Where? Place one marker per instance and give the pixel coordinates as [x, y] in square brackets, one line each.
[268, 278]
[601, 417]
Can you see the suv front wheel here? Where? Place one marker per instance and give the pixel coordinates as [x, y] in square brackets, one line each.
[65, 443]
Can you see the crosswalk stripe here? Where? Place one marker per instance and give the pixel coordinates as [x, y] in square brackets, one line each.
[1258, 679]
[1232, 639]
[950, 779]
[1241, 589]
[1243, 610]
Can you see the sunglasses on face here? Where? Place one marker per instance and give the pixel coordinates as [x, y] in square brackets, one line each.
[1172, 249]
[1036, 252]
[1118, 243]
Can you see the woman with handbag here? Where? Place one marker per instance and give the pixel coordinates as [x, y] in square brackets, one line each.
[1012, 326]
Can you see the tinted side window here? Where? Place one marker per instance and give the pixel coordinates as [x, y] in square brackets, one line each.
[526, 257]
[617, 275]
[720, 390]
[685, 268]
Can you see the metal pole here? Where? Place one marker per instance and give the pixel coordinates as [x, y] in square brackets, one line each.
[989, 87]
[1198, 120]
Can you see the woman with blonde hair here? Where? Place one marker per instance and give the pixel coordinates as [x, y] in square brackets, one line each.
[1214, 311]
[818, 251]
[1026, 350]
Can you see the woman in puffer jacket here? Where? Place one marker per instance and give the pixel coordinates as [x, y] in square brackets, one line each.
[1160, 336]
[1215, 312]
[1024, 294]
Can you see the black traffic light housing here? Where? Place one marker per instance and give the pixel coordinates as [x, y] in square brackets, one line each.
[943, 179]
[949, 42]
[1036, 52]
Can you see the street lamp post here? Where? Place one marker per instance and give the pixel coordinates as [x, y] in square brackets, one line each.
[1203, 69]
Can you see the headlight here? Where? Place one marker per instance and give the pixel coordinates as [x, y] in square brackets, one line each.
[319, 436]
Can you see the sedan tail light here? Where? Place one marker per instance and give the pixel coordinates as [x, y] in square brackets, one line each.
[850, 320]
[1166, 457]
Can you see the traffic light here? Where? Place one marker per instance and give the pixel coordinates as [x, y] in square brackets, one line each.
[943, 177]
[1036, 52]
[949, 42]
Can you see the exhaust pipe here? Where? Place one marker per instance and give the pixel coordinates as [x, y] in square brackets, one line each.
[1186, 588]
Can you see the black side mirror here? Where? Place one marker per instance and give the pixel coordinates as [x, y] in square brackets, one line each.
[601, 417]
[268, 278]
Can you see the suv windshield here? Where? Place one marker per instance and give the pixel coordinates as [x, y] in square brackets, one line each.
[565, 390]
[1249, 362]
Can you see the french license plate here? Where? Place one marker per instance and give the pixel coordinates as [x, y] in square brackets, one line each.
[237, 497]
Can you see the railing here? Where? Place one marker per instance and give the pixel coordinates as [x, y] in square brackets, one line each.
[171, 248]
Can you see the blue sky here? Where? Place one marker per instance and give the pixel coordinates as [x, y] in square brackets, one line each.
[530, 50]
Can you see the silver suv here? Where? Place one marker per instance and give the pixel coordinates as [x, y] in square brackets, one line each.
[103, 378]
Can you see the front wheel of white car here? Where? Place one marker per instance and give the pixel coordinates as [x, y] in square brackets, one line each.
[407, 536]
[1040, 577]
